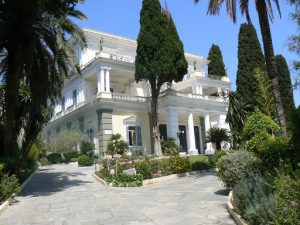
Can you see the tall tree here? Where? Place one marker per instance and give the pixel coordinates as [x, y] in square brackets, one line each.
[216, 65]
[250, 57]
[265, 100]
[265, 12]
[40, 55]
[160, 56]
[285, 85]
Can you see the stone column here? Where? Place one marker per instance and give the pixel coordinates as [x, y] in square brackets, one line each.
[100, 79]
[105, 129]
[107, 80]
[172, 124]
[222, 121]
[191, 137]
[209, 148]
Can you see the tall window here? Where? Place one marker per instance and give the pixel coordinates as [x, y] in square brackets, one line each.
[74, 97]
[134, 136]
[90, 135]
[69, 125]
[63, 104]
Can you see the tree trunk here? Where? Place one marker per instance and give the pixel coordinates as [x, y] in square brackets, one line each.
[218, 146]
[12, 99]
[271, 61]
[155, 129]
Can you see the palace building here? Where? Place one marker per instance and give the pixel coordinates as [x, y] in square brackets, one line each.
[106, 99]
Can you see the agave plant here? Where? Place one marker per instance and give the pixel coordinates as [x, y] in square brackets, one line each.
[217, 135]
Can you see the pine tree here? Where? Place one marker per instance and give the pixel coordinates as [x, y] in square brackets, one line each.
[265, 101]
[285, 85]
[216, 66]
[160, 56]
[250, 57]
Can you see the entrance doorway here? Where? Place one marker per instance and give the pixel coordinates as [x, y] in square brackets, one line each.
[182, 138]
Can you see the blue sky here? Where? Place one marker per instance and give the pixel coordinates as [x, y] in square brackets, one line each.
[197, 30]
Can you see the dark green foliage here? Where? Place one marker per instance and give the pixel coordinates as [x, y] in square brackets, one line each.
[217, 135]
[124, 180]
[85, 160]
[250, 57]
[70, 155]
[55, 158]
[160, 56]
[146, 168]
[216, 66]
[200, 165]
[253, 199]
[8, 186]
[286, 89]
[169, 147]
[44, 161]
[296, 134]
[86, 148]
[287, 195]
[236, 166]
[275, 153]
[117, 145]
[37, 150]
[217, 156]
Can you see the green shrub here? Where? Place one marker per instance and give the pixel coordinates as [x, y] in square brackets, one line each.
[254, 201]
[179, 164]
[253, 144]
[117, 145]
[258, 123]
[137, 152]
[86, 148]
[124, 180]
[66, 141]
[274, 152]
[37, 150]
[169, 147]
[54, 158]
[236, 166]
[199, 165]
[85, 160]
[74, 160]
[217, 156]
[8, 186]
[287, 195]
[44, 161]
[147, 168]
[70, 155]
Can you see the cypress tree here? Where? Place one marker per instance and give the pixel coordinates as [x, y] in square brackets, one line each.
[285, 86]
[160, 56]
[216, 66]
[250, 57]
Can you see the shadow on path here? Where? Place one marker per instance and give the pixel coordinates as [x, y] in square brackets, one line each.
[46, 182]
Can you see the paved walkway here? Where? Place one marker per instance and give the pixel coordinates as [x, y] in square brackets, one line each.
[69, 195]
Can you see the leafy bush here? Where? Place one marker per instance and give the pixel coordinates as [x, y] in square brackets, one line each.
[37, 150]
[253, 144]
[217, 156]
[179, 164]
[274, 152]
[54, 158]
[70, 155]
[253, 199]
[8, 186]
[287, 195]
[296, 135]
[236, 166]
[258, 123]
[85, 160]
[137, 152]
[44, 161]
[199, 165]
[124, 180]
[117, 145]
[66, 141]
[169, 147]
[86, 148]
[147, 168]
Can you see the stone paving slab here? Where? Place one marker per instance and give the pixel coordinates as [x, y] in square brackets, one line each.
[69, 195]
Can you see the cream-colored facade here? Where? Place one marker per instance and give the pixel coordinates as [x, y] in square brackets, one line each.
[106, 99]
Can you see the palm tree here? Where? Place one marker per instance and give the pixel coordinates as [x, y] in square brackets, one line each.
[217, 135]
[265, 12]
[238, 111]
[34, 48]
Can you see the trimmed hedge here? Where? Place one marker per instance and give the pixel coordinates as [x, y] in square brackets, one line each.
[85, 160]
[55, 158]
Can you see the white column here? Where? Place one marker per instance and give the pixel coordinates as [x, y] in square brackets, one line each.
[172, 124]
[209, 148]
[200, 90]
[102, 84]
[222, 121]
[191, 137]
[100, 79]
[107, 80]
